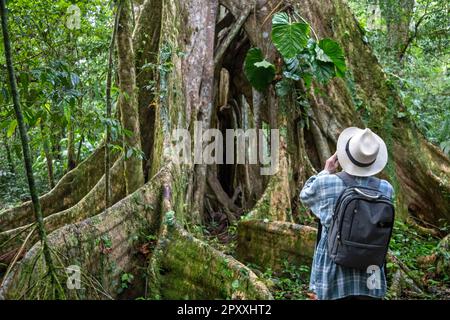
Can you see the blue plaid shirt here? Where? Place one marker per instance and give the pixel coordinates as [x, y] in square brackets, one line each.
[329, 280]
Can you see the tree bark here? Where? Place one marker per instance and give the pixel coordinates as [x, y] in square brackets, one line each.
[69, 190]
[146, 43]
[134, 177]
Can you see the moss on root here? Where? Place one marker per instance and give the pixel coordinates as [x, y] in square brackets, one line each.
[92, 204]
[104, 247]
[191, 269]
[270, 244]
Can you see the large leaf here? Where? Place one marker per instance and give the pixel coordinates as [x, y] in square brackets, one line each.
[334, 54]
[323, 71]
[259, 72]
[289, 38]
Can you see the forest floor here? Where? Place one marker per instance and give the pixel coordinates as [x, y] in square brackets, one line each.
[407, 244]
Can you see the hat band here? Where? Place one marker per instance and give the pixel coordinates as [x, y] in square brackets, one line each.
[353, 160]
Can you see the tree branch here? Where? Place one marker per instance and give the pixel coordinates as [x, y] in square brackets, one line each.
[220, 52]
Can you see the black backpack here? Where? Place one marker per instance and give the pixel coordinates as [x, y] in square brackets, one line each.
[361, 226]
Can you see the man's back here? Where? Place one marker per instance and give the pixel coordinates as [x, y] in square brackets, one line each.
[321, 197]
[329, 280]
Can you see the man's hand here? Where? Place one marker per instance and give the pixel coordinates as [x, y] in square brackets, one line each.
[311, 296]
[332, 164]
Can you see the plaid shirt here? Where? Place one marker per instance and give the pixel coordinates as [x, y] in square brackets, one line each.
[329, 280]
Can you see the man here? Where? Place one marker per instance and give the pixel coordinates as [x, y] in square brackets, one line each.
[361, 154]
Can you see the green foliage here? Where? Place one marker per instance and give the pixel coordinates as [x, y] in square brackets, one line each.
[169, 218]
[292, 283]
[289, 38]
[126, 279]
[422, 76]
[330, 51]
[259, 72]
[304, 58]
[60, 76]
[409, 246]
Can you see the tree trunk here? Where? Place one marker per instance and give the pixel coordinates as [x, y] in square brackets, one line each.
[127, 100]
[185, 82]
[146, 40]
[71, 156]
[398, 15]
[109, 75]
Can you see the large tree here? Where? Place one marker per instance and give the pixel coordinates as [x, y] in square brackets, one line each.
[193, 52]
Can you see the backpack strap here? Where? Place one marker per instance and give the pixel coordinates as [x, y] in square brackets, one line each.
[374, 183]
[350, 181]
[319, 232]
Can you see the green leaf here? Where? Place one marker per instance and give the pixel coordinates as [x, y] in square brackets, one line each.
[67, 113]
[11, 128]
[129, 153]
[289, 38]
[292, 64]
[292, 69]
[263, 64]
[307, 78]
[333, 51]
[259, 72]
[74, 79]
[323, 71]
[320, 55]
[283, 87]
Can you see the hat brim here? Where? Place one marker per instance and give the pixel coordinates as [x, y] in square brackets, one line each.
[348, 166]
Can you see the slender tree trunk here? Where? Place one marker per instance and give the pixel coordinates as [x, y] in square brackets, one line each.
[134, 176]
[108, 109]
[71, 159]
[55, 137]
[25, 141]
[80, 144]
[48, 157]
[146, 41]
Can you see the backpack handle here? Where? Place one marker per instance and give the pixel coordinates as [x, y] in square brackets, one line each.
[350, 181]
[366, 195]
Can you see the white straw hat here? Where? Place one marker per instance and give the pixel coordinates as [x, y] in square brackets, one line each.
[361, 152]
